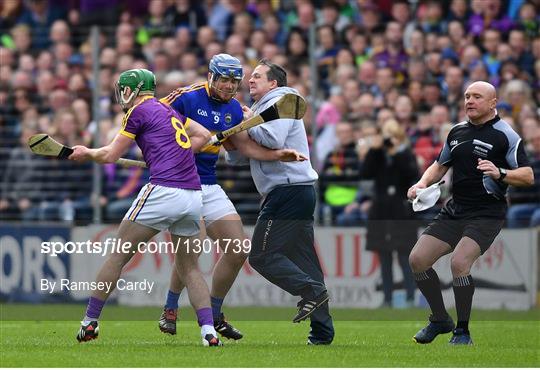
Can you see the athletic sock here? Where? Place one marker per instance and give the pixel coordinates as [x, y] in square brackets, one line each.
[463, 293]
[204, 316]
[93, 310]
[208, 329]
[216, 307]
[172, 300]
[430, 286]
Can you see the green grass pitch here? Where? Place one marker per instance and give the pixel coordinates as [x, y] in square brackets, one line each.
[129, 337]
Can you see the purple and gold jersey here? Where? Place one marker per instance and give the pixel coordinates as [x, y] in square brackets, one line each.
[160, 133]
[195, 103]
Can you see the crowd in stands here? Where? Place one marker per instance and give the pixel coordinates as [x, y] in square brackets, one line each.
[379, 63]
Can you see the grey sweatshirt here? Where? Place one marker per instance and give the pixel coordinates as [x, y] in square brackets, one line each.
[280, 134]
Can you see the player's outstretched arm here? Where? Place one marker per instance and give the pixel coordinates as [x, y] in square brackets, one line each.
[433, 174]
[106, 154]
[249, 148]
[198, 135]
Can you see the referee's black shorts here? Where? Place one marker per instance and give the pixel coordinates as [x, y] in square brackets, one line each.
[480, 223]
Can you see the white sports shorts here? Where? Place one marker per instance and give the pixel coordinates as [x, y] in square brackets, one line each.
[163, 208]
[216, 204]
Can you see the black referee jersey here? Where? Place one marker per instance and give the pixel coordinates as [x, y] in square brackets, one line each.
[495, 141]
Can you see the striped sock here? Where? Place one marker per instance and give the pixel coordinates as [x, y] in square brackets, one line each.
[430, 286]
[463, 294]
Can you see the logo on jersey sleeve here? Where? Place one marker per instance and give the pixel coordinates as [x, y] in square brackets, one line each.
[202, 112]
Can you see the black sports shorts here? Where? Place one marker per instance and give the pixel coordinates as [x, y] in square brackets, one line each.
[480, 223]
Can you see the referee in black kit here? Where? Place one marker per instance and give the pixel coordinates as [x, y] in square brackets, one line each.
[487, 155]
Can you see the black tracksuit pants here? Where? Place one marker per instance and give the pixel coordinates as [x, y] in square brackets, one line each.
[283, 250]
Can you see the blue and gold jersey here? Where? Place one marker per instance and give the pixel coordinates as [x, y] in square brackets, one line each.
[195, 103]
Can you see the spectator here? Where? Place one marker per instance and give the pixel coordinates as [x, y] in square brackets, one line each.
[364, 107]
[22, 39]
[416, 48]
[330, 113]
[296, 47]
[78, 86]
[351, 91]
[458, 37]
[471, 54]
[340, 173]
[367, 76]
[478, 72]
[434, 66]
[183, 38]
[355, 213]
[260, 10]
[393, 56]
[453, 86]
[458, 12]
[69, 192]
[393, 167]
[60, 32]
[157, 23]
[431, 20]
[243, 25]
[524, 210]
[414, 91]
[272, 27]
[528, 19]
[188, 14]
[384, 114]
[439, 115]
[125, 39]
[519, 45]
[327, 51]
[101, 12]
[432, 94]
[20, 190]
[488, 14]
[235, 46]
[303, 18]
[518, 94]
[401, 13]
[360, 47]
[40, 18]
[345, 56]
[404, 112]
[217, 13]
[257, 40]
[11, 13]
[370, 17]
[425, 141]
[491, 40]
[416, 70]
[384, 83]
[330, 15]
